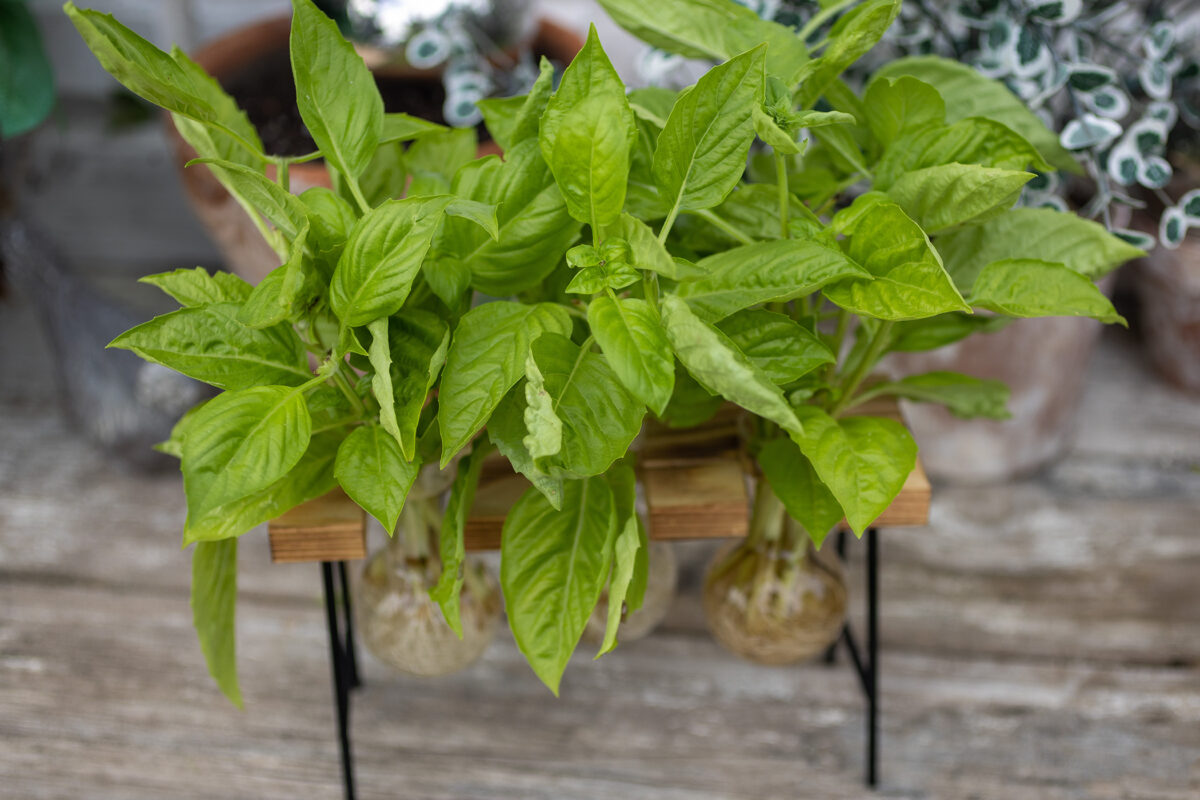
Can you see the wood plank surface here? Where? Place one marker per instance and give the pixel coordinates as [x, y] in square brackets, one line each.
[329, 528]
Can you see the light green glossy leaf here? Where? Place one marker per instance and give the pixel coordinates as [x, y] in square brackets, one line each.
[599, 418]
[214, 606]
[721, 367]
[1034, 233]
[968, 94]
[435, 159]
[855, 32]
[587, 134]
[691, 404]
[486, 358]
[711, 30]
[196, 287]
[380, 356]
[940, 198]
[909, 279]
[405, 127]
[310, 478]
[512, 120]
[633, 341]
[645, 251]
[335, 91]
[331, 219]
[897, 106]
[782, 348]
[240, 442]
[934, 332]
[287, 291]
[375, 474]
[507, 431]
[753, 209]
[864, 461]
[418, 342]
[285, 211]
[625, 557]
[209, 344]
[1021, 287]
[553, 566]
[448, 590]
[701, 153]
[975, 140]
[545, 430]
[766, 272]
[962, 395]
[792, 477]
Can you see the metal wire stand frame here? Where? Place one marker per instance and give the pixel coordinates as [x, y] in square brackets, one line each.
[344, 661]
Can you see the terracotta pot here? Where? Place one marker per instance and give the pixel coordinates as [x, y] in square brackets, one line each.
[1044, 363]
[235, 235]
[1168, 288]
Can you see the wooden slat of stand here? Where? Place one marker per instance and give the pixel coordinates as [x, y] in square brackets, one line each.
[329, 528]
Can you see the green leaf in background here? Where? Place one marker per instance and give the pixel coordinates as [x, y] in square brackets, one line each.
[26, 78]
[599, 418]
[534, 224]
[782, 348]
[512, 120]
[1025, 287]
[375, 474]
[507, 431]
[691, 404]
[587, 135]
[309, 479]
[197, 287]
[752, 209]
[285, 211]
[382, 258]
[331, 219]
[939, 198]
[855, 32]
[625, 557]
[553, 566]
[243, 441]
[623, 482]
[963, 395]
[214, 606]
[645, 251]
[287, 291]
[418, 341]
[486, 358]
[701, 153]
[864, 461]
[434, 160]
[447, 592]
[711, 30]
[380, 356]
[335, 91]
[1034, 233]
[633, 341]
[792, 477]
[969, 94]
[405, 127]
[909, 279]
[721, 367]
[765, 272]
[975, 140]
[944, 329]
[209, 344]
[897, 106]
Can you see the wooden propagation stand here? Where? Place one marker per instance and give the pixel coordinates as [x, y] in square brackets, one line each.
[695, 487]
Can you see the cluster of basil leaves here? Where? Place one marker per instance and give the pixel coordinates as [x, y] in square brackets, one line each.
[639, 270]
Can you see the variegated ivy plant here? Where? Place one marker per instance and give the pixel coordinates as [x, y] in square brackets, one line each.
[639, 270]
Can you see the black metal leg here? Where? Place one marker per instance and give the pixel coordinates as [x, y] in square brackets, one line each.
[348, 617]
[342, 663]
[872, 671]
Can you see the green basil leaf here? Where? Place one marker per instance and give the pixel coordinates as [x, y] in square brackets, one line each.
[196, 287]
[385, 178]
[855, 32]
[230, 140]
[909, 279]
[711, 30]
[375, 474]
[587, 135]
[962, 395]
[753, 209]
[934, 332]
[448, 590]
[864, 461]
[507, 431]
[623, 482]
[721, 367]
[335, 91]
[241, 442]
[283, 210]
[545, 434]
[769, 131]
[434, 160]
[287, 291]
[553, 566]
[309, 479]
[633, 341]
[209, 344]
[613, 275]
[894, 107]
[512, 120]
[701, 153]
[968, 94]
[331, 219]
[214, 605]
[382, 258]
[1034, 233]
[418, 341]
[625, 557]
[404, 127]
[599, 418]
[939, 198]
[782, 348]
[975, 140]
[691, 404]
[380, 356]
[792, 477]
[1025, 287]
[486, 358]
[766, 272]
[645, 251]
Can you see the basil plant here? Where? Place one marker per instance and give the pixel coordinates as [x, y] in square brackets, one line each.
[616, 261]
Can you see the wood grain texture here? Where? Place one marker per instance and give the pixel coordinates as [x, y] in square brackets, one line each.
[329, 528]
